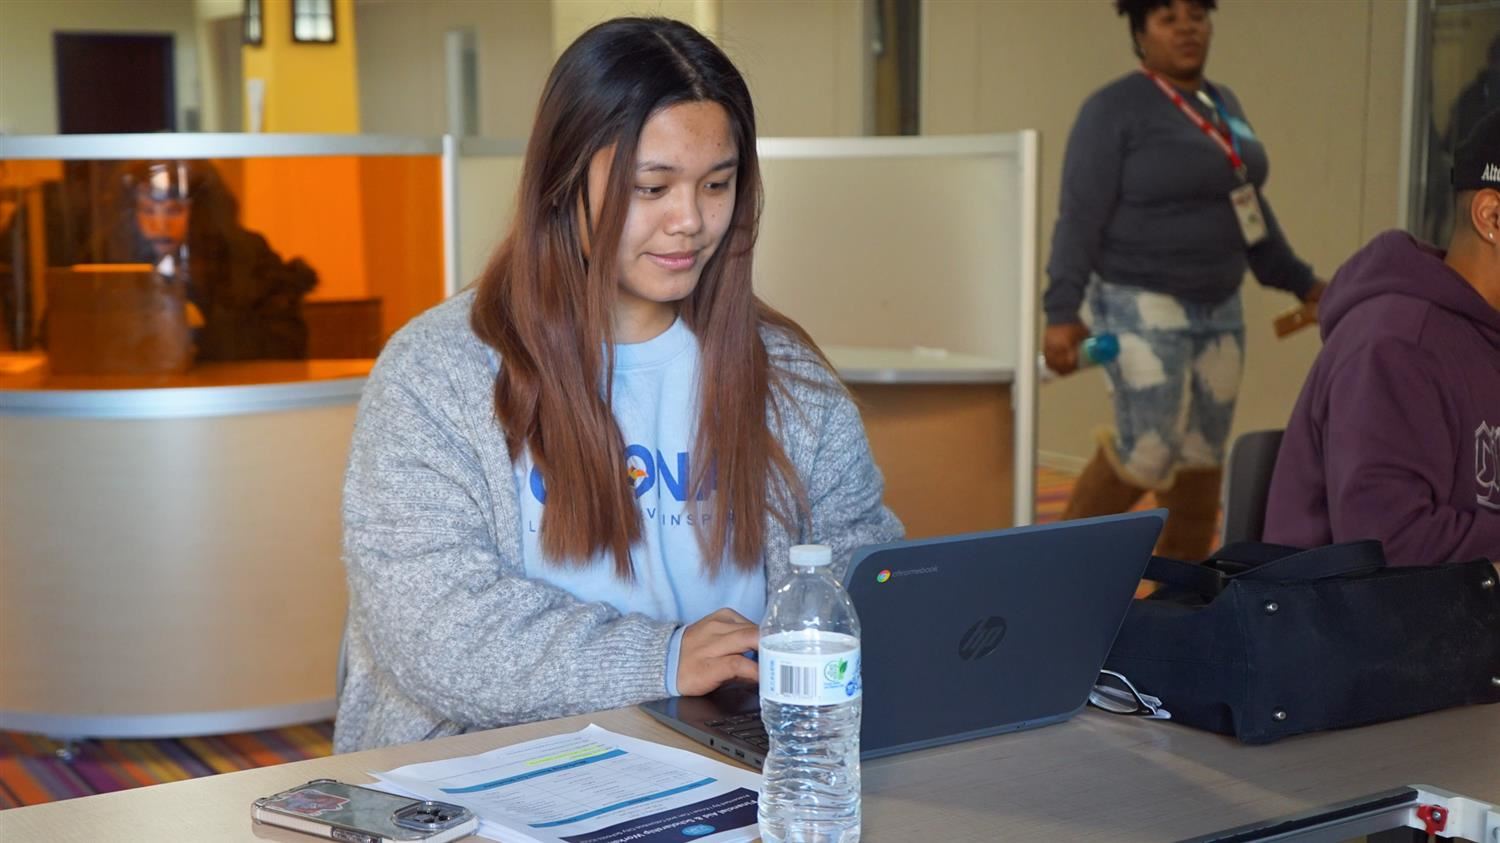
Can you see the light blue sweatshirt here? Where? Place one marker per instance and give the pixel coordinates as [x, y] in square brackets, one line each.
[656, 407]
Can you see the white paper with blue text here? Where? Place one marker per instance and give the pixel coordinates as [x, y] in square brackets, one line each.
[592, 786]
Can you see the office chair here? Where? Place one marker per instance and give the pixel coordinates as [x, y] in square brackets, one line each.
[1247, 484]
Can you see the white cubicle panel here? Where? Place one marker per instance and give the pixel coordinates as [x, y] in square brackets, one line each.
[883, 242]
[889, 243]
[896, 242]
[902, 243]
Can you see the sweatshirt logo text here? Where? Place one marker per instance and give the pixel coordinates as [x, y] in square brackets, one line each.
[645, 469]
[1487, 466]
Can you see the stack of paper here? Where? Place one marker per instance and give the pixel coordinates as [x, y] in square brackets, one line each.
[591, 786]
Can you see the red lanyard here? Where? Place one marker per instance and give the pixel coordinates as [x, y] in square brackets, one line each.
[1218, 136]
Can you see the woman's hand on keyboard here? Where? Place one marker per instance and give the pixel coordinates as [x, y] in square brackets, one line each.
[713, 652]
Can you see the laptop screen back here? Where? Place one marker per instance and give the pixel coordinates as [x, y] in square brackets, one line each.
[991, 632]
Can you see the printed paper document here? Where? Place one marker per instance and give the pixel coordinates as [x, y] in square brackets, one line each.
[591, 786]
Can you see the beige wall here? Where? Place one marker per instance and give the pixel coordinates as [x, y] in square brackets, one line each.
[402, 64]
[804, 62]
[218, 31]
[803, 59]
[571, 17]
[1333, 137]
[28, 83]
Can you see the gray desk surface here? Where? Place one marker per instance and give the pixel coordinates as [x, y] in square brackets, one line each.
[1097, 777]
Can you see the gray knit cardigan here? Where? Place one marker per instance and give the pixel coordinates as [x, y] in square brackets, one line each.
[445, 632]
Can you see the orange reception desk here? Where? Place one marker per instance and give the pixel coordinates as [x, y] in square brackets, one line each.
[170, 538]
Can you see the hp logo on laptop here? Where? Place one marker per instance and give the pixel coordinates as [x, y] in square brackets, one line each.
[982, 638]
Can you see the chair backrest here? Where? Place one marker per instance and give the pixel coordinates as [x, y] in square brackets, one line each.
[1247, 484]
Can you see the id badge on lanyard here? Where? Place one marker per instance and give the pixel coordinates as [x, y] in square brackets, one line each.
[1247, 209]
[1244, 199]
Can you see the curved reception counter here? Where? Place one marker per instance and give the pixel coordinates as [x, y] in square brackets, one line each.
[169, 546]
[171, 543]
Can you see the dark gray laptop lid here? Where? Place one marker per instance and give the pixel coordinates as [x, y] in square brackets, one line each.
[991, 632]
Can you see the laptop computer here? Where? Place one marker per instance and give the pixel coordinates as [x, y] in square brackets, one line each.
[964, 636]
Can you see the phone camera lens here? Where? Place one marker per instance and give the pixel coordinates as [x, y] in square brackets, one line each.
[429, 816]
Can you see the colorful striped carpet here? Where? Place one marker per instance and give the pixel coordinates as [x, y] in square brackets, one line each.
[31, 772]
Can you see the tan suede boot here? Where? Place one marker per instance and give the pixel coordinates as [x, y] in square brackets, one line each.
[1192, 505]
[1100, 490]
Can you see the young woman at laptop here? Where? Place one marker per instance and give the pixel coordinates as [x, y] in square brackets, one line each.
[570, 486]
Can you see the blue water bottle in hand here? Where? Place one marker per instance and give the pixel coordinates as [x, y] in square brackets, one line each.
[1097, 349]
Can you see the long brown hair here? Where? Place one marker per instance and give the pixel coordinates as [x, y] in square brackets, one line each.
[548, 309]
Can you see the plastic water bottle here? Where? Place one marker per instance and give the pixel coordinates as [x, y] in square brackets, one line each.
[1100, 348]
[810, 702]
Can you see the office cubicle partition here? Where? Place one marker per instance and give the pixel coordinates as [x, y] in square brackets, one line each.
[925, 244]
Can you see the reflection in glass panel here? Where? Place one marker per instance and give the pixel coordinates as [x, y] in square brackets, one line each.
[142, 267]
[1457, 83]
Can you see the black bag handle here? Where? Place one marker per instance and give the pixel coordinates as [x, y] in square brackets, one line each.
[1319, 563]
[1251, 554]
[1260, 562]
[1199, 579]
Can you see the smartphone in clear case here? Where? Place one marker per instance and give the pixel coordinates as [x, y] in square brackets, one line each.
[354, 814]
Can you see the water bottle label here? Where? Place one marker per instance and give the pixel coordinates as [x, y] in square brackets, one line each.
[810, 678]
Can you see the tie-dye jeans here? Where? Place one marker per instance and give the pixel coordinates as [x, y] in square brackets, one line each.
[1175, 382]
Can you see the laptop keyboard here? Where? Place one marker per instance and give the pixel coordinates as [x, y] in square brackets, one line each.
[744, 727]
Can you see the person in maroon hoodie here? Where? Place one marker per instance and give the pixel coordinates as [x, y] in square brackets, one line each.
[1396, 435]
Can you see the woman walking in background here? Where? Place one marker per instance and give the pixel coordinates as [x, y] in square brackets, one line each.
[1160, 213]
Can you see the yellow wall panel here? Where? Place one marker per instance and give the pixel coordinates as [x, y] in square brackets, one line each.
[308, 87]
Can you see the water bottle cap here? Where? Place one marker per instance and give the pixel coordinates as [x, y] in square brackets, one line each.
[1103, 348]
[812, 555]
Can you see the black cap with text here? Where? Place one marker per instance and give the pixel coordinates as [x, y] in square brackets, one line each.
[1476, 162]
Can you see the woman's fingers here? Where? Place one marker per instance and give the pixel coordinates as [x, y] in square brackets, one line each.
[743, 668]
[713, 652]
